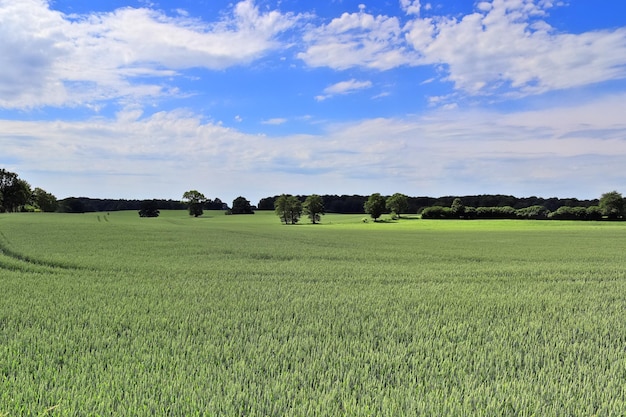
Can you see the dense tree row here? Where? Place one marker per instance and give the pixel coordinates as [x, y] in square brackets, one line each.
[87, 205]
[610, 206]
[354, 204]
[17, 195]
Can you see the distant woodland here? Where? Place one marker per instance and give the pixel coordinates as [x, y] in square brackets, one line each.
[17, 195]
[353, 204]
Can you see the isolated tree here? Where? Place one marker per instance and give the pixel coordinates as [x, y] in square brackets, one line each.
[398, 204]
[149, 208]
[288, 208]
[45, 201]
[313, 207]
[375, 205]
[195, 200]
[241, 206]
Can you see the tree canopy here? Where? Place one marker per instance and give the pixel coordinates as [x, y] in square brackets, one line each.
[195, 200]
[288, 208]
[15, 193]
[375, 205]
[241, 206]
[612, 205]
[314, 207]
[149, 208]
[398, 204]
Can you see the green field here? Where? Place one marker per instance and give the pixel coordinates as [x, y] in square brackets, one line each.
[114, 315]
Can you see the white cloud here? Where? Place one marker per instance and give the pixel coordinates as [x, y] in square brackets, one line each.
[356, 39]
[343, 87]
[54, 59]
[551, 151]
[507, 48]
[411, 6]
[504, 48]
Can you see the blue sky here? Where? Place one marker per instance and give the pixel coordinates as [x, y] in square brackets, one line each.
[148, 99]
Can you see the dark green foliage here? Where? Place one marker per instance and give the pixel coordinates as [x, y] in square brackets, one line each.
[313, 207]
[266, 203]
[457, 208]
[532, 212]
[437, 212]
[241, 206]
[72, 205]
[594, 213]
[45, 201]
[288, 208]
[195, 201]
[398, 204]
[505, 212]
[612, 205]
[149, 208]
[375, 205]
[15, 193]
[570, 213]
[216, 204]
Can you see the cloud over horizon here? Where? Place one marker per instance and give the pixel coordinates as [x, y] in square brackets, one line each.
[421, 98]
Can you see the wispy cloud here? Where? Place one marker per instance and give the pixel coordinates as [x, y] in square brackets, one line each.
[343, 87]
[274, 121]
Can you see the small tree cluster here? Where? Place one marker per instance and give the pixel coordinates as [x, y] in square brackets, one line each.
[612, 206]
[376, 205]
[17, 195]
[241, 206]
[288, 208]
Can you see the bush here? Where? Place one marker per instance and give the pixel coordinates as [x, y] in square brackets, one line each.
[437, 212]
[594, 213]
[532, 212]
[569, 213]
[506, 212]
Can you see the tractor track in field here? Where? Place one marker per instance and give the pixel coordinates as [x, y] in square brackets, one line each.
[15, 261]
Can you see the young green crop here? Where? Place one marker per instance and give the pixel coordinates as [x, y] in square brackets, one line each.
[238, 315]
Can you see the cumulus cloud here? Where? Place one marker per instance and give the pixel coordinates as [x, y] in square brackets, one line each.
[343, 87]
[411, 6]
[504, 47]
[357, 39]
[50, 58]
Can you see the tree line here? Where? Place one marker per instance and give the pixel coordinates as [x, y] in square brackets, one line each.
[611, 206]
[17, 194]
[354, 204]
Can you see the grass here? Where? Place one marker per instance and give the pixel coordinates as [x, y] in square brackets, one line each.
[240, 315]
